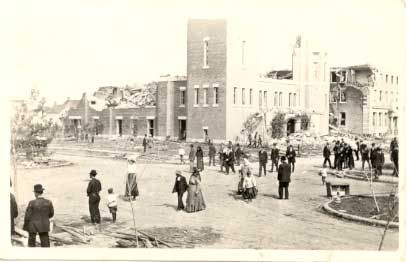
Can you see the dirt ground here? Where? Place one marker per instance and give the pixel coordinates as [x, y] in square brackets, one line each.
[266, 223]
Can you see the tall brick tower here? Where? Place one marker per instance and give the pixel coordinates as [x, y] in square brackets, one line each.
[206, 76]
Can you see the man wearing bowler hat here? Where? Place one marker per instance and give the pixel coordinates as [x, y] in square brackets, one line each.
[37, 216]
[94, 187]
[284, 177]
[180, 187]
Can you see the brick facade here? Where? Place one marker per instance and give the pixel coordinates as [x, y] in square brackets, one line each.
[210, 115]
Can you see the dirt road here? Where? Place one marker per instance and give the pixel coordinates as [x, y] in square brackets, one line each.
[297, 223]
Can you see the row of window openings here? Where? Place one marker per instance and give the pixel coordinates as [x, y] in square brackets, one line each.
[379, 118]
[278, 98]
[391, 79]
[342, 96]
[205, 96]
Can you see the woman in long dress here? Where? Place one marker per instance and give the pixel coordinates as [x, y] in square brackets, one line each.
[199, 158]
[249, 187]
[131, 179]
[195, 201]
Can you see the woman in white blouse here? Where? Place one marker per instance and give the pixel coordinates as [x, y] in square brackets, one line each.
[249, 187]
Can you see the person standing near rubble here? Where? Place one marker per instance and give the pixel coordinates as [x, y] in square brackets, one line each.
[192, 154]
[180, 187]
[260, 142]
[263, 161]
[274, 156]
[327, 155]
[36, 219]
[94, 187]
[290, 154]
[195, 201]
[250, 140]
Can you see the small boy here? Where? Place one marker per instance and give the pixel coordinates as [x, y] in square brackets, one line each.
[323, 173]
[112, 203]
[181, 153]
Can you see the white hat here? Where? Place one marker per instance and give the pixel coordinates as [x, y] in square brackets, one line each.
[132, 158]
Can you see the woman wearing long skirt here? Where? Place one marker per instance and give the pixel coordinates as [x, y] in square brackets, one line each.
[199, 158]
[131, 179]
[249, 187]
[195, 201]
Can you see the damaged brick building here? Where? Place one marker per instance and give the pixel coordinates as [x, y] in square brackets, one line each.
[220, 92]
[364, 100]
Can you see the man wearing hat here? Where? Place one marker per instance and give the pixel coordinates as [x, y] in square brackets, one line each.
[284, 177]
[37, 216]
[94, 187]
[180, 187]
[379, 162]
[275, 154]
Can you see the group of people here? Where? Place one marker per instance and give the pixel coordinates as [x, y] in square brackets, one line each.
[255, 141]
[373, 156]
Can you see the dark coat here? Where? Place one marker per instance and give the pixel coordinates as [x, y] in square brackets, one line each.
[192, 154]
[263, 157]
[275, 154]
[379, 160]
[212, 150]
[144, 141]
[394, 155]
[37, 215]
[290, 155]
[94, 187]
[364, 151]
[373, 154]
[284, 172]
[238, 153]
[180, 186]
[229, 158]
[13, 210]
[199, 153]
[327, 152]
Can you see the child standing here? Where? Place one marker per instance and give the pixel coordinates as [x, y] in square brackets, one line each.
[323, 173]
[181, 153]
[112, 203]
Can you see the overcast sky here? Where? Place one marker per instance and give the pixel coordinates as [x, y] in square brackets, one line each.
[65, 48]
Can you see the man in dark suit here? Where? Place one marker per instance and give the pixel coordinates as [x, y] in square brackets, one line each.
[37, 216]
[94, 187]
[262, 161]
[145, 142]
[13, 212]
[229, 160]
[373, 155]
[284, 177]
[275, 154]
[395, 158]
[379, 162]
[357, 149]
[180, 187]
[327, 155]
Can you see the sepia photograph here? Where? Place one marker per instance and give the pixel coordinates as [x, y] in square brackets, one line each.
[229, 128]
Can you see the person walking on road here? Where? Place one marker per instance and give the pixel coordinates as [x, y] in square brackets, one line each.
[395, 159]
[180, 187]
[212, 154]
[364, 153]
[94, 187]
[195, 201]
[181, 153]
[145, 142]
[274, 156]
[199, 158]
[238, 154]
[284, 178]
[263, 161]
[37, 215]
[379, 162]
[229, 160]
[290, 154]
[327, 155]
[357, 149]
[192, 155]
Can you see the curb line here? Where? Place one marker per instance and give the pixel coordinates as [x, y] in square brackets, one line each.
[365, 179]
[370, 221]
